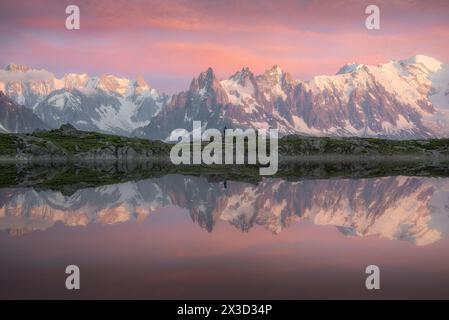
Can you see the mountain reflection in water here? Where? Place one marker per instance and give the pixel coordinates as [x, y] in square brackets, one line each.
[215, 236]
[414, 209]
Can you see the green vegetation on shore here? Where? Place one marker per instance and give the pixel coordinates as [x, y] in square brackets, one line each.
[94, 141]
[8, 144]
[298, 145]
[69, 143]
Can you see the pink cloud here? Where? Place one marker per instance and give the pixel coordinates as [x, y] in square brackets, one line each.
[181, 38]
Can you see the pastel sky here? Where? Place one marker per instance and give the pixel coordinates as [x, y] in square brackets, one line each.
[171, 41]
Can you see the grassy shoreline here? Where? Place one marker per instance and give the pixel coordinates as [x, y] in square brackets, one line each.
[69, 144]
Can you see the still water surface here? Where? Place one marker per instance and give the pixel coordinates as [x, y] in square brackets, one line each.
[187, 237]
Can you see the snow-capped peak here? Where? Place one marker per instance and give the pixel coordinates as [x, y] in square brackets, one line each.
[274, 70]
[241, 88]
[242, 76]
[113, 84]
[119, 86]
[74, 80]
[17, 67]
[349, 68]
[428, 63]
[274, 76]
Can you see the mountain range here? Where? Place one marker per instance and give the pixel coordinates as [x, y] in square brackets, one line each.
[105, 104]
[400, 99]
